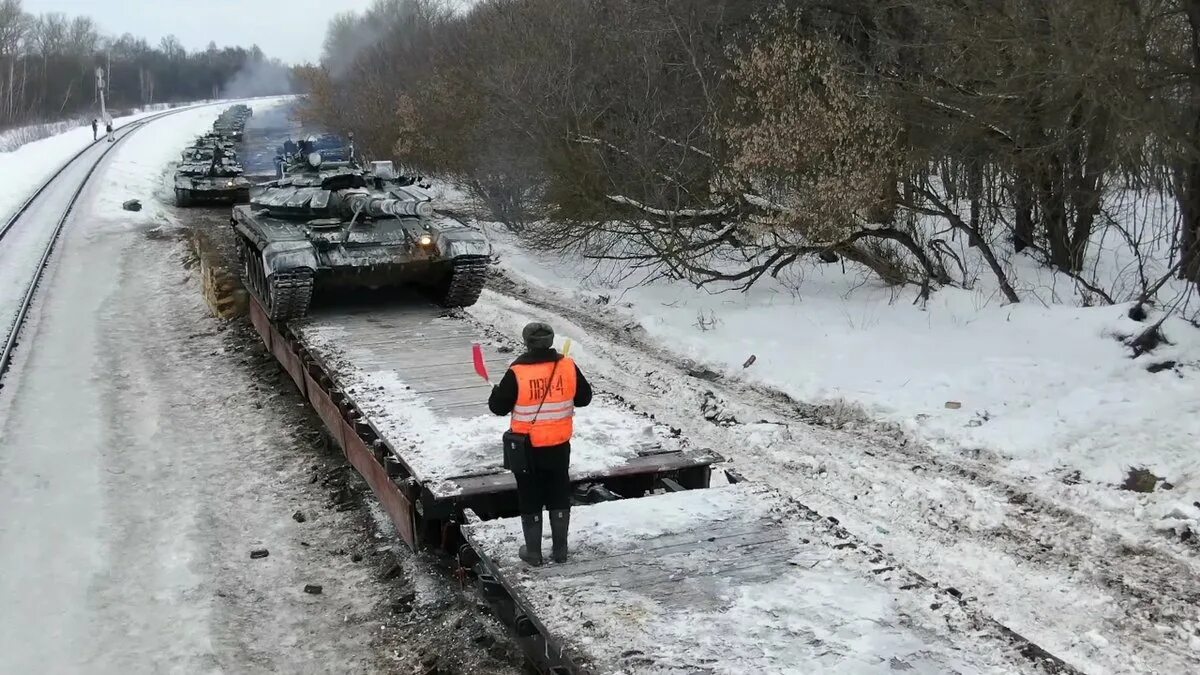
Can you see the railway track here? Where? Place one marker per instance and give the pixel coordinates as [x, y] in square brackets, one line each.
[24, 236]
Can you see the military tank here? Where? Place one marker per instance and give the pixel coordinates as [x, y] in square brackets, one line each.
[336, 227]
[213, 139]
[210, 175]
[231, 123]
[230, 129]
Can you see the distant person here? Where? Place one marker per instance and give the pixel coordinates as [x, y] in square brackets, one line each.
[95, 129]
[108, 130]
[541, 390]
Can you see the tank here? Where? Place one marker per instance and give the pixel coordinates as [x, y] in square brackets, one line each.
[231, 122]
[228, 129]
[340, 229]
[210, 175]
[212, 139]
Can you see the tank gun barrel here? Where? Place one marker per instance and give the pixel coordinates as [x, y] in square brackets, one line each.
[380, 207]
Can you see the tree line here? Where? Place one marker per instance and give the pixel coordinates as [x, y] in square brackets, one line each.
[48, 63]
[728, 140]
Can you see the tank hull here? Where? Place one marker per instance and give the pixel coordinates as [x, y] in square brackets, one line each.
[191, 191]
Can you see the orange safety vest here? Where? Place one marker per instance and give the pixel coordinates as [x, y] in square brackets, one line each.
[556, 420]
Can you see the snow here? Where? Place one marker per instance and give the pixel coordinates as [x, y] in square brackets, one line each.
[813, 611]
[136, 472]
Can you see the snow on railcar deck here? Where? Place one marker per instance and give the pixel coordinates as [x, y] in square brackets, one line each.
[409, 369]
[732, 580]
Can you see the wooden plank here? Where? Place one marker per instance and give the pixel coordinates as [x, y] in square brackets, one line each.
[464, 364]
[421, 346]
[450, 390]
[472, 394]
[382, 336]
[737, 535]
[649, 577]
[466, 409]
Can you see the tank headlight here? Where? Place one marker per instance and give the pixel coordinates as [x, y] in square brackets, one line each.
[314, 158]
[229, 183]
[426, 240]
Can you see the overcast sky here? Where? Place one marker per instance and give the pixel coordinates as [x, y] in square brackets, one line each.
[291, 30]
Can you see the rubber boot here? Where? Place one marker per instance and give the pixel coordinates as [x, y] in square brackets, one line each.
[531, 552]
[560, 521]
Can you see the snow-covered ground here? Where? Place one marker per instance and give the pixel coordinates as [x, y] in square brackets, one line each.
[139, 468]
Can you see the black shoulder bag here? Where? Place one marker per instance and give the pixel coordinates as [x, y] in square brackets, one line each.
[518, 447]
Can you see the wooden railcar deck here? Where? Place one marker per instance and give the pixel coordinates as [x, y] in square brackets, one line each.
[392, 360]
[732, 579]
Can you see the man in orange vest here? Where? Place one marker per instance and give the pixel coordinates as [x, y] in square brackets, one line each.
[541, 390]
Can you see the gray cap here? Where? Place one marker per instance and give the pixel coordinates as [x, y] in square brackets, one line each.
[538, 335]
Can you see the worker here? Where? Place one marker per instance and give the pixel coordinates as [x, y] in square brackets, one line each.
[95, 129]
[541, 390]
[108, 129]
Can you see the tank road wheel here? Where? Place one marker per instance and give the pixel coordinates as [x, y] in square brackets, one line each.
[464, 283]
[183, 197]
[252, 271]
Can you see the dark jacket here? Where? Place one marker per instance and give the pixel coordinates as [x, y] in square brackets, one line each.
[504, 395]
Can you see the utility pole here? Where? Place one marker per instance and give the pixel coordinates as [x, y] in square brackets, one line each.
[100, 89]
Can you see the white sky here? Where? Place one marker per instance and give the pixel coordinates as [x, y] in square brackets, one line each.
[292, 30]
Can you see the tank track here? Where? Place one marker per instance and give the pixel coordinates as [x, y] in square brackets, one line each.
[467, 277]
[290, 294]
[285, 296]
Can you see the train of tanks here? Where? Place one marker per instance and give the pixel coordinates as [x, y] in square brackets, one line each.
[330, 222]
